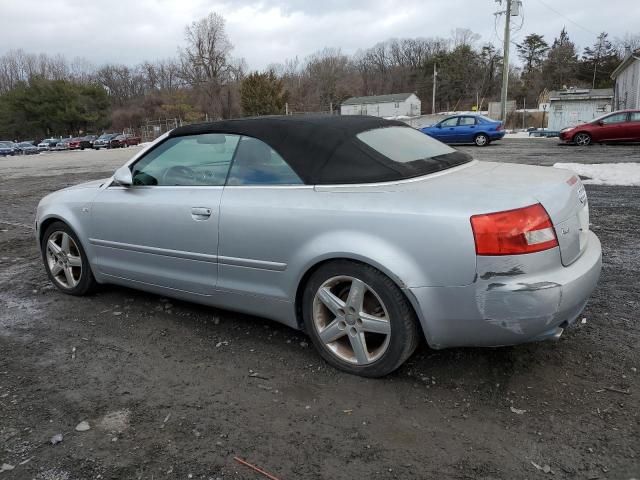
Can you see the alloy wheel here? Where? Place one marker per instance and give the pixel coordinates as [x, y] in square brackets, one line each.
[64, 259]
[582, 139]
[351, 320]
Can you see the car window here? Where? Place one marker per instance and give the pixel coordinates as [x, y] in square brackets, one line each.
[464, 121]
[634, 117]
[195, 160]
[404, 144]
[449, 122]
[256, 163]
[616, 118]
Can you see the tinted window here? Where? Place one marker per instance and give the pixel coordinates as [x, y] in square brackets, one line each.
[255, 163]
[196, 160]
[467, 121]
[449, 122]
[404, 144]
[616, 118]
[634, 117]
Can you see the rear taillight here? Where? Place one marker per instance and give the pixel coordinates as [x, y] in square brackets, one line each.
[513, 232]
[499, 127]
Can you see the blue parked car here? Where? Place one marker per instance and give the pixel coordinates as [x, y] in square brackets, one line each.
[466, 129]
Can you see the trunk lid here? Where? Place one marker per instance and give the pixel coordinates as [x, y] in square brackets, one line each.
[560, 192]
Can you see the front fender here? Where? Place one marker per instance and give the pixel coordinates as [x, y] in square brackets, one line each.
[71, 206]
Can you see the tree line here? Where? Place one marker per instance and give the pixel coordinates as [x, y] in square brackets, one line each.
[43, 95]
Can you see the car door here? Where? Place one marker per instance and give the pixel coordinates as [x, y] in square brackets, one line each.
[466, 129]
[613, 127]
[634, 126]
[260, 224]
[163, 229]
[445, 131]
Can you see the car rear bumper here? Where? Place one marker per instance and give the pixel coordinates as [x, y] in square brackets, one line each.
[497, 135]
[510, 306]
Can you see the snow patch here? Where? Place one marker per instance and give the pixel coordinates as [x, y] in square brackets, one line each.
[623, 174]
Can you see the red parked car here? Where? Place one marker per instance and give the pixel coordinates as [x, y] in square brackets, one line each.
[127, 139]
[620, 126]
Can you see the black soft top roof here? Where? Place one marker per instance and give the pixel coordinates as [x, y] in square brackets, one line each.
[320, 149]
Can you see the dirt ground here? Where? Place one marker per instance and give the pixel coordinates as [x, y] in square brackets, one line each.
[175, 390]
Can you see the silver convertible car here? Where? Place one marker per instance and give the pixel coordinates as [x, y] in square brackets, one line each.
[364, 233]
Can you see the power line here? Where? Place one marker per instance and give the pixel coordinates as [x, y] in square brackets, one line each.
[567, 18]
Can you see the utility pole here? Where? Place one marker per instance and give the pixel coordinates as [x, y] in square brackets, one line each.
[505, 62]
[433, 96]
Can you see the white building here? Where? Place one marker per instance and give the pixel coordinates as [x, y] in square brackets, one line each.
[627, 82]
[573, 106]
[393, 105]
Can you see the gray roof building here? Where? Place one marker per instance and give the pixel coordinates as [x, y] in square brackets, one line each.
[390, 98]
[581, 94]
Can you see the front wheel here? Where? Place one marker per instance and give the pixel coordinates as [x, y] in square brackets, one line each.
[358, 319]
[582, 139]
[481, 140]
[66, 261]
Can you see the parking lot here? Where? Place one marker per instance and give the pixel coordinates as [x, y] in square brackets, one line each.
[176, 390]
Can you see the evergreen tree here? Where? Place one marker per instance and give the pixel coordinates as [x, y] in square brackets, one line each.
[262, 94]
[598, 61]
[560, 68]
[532, 51]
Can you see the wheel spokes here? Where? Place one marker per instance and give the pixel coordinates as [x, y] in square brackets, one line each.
[356, 294]
[56, 269]
[333, 331]
[329, 300]
[74, 261]
[373, 324]
[64, 259]
[359, 346]
[53, 246]
[68, 274]
[351, 320]
[65, 244]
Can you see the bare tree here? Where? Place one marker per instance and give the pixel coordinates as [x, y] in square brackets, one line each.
[206, 62]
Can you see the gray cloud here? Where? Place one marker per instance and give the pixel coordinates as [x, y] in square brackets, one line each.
[267, 31]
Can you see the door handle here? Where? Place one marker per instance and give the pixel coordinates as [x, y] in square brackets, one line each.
[200, 213]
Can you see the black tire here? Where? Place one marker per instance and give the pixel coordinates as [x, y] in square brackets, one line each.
[481, 140]
[87, 282]
[404, 332]
[582, 139]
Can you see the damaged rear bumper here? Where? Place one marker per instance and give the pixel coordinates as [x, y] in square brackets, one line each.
[515, 299]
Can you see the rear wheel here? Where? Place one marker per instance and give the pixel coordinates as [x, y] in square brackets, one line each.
[358, 319]
[481, 140]
[582, 139]
[65, 260]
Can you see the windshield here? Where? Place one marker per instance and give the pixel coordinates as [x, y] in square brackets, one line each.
[419, 153]
[6, 144]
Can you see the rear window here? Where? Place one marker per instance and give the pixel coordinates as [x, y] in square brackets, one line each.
[406, 145]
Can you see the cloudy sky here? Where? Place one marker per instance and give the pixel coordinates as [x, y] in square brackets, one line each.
[267, 31]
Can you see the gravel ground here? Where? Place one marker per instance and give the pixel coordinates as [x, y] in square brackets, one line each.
[175, 390]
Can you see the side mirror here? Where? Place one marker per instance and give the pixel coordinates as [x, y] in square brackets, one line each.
[123, 177]
[600, 122]
[439, 125]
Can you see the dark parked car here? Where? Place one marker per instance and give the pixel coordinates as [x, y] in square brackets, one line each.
[26, 148]
[105, 141]
[7, 148]
[621, 126]
[466, 129]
